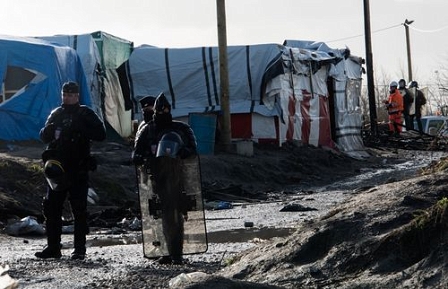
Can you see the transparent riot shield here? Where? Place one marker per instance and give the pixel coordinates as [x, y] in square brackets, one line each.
[172, 208]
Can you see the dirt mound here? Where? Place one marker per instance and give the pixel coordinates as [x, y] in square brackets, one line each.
[390, 236]
[226, 176]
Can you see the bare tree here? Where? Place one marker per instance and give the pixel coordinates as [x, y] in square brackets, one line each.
[439, 91]
[382, 81]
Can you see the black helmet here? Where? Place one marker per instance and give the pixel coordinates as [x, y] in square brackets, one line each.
[169, 145]
[147, 101]
[55, 175]
[70, 87]
[162, 104]
[413, 84]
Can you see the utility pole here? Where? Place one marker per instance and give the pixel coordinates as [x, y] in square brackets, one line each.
[224, 75]
[408, 47]
[369, 64]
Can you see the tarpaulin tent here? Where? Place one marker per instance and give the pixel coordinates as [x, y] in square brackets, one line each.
[190, 76]
[318, 90]
[32, 73]
[114, 51]
[101, 53]
[90, 57]
[190, 79]
[277, 92]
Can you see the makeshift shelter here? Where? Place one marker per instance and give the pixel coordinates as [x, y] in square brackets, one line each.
[190, 79]
[114, 51]
[32, 73]
[300, 91]
[317, 90]
[90, 57]
[101, 54]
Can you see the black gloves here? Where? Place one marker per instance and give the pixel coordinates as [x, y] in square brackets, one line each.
[184, 153]
[48, 131]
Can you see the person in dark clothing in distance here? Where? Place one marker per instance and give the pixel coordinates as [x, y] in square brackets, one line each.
[68, 131]
[145, 149]
[408, 99]
[420, 101]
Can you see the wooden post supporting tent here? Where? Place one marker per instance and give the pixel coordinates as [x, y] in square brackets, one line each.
[224, 75]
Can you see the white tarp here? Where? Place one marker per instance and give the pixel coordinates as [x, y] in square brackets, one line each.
[189, 77]
[288, 82]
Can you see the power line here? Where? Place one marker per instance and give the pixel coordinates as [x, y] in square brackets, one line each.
[390, 27]
[360, 35]
[429, 31]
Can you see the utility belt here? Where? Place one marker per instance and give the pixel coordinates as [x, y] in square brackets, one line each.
[87, 163]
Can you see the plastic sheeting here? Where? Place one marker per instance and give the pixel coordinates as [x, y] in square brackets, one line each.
[300, 95]
[114, 107]
[101, 53]
[87, 50]
[287, 81]
[189, 77]
[347, 108]
[24, 114]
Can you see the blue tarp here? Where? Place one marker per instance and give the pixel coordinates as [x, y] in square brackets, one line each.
[24, 114]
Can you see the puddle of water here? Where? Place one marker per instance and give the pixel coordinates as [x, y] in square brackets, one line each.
[116, 240]
[246, 234]
[230, 236]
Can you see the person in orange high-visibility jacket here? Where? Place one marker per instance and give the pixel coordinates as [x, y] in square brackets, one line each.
[394, 105]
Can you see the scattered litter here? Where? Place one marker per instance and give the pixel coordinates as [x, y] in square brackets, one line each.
[220, 205]
[296, 208]
[69, 229]
[92, 197]
[135, 225]
[25, 226]
[185, 279]
[6, 282]
[248, 224]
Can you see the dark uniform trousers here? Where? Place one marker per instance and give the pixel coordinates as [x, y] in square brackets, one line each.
[53, 206]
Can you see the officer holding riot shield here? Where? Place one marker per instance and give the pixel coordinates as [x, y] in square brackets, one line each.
[162, 149]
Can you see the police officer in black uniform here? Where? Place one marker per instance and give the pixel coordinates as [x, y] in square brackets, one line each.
[145, 147]
[147, 105]
[68, 132]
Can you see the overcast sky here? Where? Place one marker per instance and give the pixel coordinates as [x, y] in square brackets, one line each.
[192, 23]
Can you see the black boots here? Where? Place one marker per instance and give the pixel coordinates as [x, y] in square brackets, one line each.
[168, 260]
[49, 252]
[78, 255]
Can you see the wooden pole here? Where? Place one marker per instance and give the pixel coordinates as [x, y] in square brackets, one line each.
[408, 47]
[369, 64]
[224, 75]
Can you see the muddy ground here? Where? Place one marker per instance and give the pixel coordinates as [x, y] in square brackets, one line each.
[321, 220]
